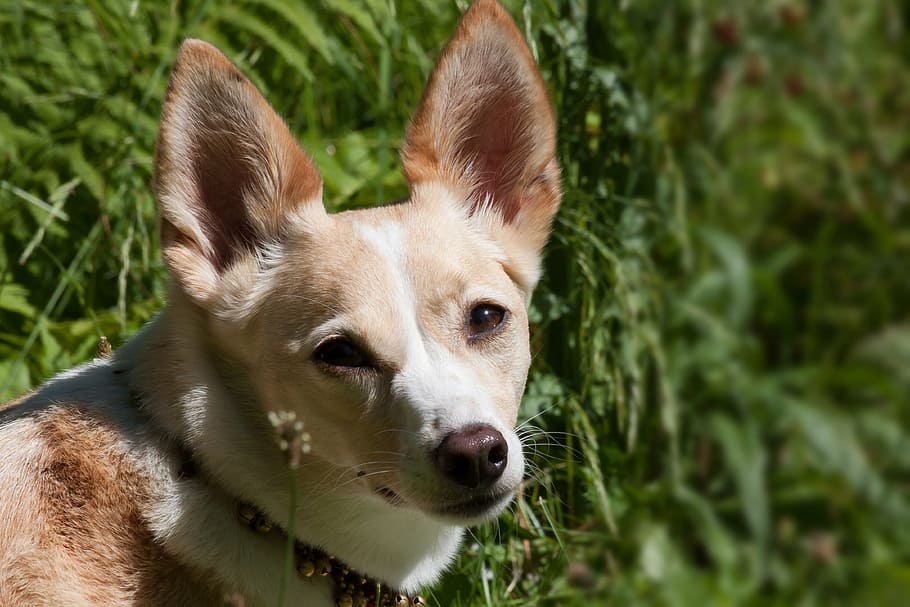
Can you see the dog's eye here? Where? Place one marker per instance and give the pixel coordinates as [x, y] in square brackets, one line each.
[485, 319]
[340, 352]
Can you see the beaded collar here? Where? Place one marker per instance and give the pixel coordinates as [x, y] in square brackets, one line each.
[351, 588]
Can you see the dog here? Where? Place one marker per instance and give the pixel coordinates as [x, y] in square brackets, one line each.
[326, 401]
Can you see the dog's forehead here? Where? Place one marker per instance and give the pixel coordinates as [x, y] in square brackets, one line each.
[408, 242]
[396, 264]
[432, 243]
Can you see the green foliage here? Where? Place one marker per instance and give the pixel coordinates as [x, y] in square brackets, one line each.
[718, 407]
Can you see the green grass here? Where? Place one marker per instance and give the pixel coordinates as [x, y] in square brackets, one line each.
[719, 397]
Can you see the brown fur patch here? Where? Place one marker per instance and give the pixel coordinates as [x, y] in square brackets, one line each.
[91, 544]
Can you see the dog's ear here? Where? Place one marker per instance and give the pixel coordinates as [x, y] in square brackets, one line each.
[228, 171]
[485, 127]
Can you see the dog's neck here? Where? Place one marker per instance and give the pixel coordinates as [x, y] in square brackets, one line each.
[232, 441]
[350, 588]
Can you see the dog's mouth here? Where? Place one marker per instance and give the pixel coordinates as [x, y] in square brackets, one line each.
[474, 509]
[389, 495]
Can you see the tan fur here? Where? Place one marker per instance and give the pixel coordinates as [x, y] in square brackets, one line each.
[120, 479]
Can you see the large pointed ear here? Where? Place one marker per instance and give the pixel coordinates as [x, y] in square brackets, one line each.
[228, 171]
[486, 127]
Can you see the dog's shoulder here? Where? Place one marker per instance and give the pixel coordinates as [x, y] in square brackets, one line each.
[76, 468]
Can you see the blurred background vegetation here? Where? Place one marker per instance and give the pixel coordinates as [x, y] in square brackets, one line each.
[718, 405]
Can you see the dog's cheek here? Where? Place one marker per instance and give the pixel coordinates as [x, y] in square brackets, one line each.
[336, 414]
[507, 370]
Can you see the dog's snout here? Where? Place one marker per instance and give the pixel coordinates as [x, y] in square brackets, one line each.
[474, 457]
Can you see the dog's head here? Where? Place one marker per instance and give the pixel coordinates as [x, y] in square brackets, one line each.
[397, 334]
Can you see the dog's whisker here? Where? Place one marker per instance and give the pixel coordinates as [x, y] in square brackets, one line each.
[397, 431]
[540, 413]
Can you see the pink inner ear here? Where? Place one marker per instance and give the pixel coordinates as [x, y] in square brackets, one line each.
[222, 180]
[496, 155]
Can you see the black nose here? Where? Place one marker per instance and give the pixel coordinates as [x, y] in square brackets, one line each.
[473, 457]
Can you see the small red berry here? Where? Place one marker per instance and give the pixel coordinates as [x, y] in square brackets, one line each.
[795, 85]
[725, 30]
[755, 71]
[791, 15]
